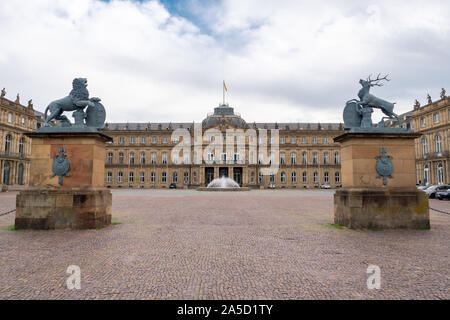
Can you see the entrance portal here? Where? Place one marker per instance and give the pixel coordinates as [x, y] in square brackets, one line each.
[209, 175]
[237, 176]
[223, 172]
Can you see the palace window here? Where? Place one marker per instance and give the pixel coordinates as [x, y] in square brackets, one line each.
[186, 158]
[252, 157]
[326, 177]
[22, 146]
[438, 144]
[164, 177]
[425, 175]
[272, 178]
[337, 159]
[281, 140]
[261, 158]
[194, 177]
[142, 158]
[121, 140]
[237, 156]
[175, 177]
[142, 177]
[175, 139]
[252, 177]
[304, 158]
[186, 177]
[120, 177]
[424, 146]
[337, 177]
[110, 157]
[293, 140]
[294, 177]
[10, 117]
[109, 177]
[325, 158]
[223, 156]
[423, 122]
[283, 177]
[120, 157]
[315, 158]
[131, 177]
[164, 158]
[131, 158]
[143, 140]
[436, 117]
[305, 177]
[314, 140]
[154, 140]
[210, 156]
[152, 177]
[440, 173]
[282, 158]
[293, 158]
[153, 158]
[316, 177]
[164, 140]
[325, 140]
[132, 140]
[304, 140]
[260, 178]
[23, 121]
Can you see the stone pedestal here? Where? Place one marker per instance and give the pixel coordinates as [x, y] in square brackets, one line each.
[81, 201]
[369, 201]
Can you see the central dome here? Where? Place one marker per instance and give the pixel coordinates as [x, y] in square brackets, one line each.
[224, 114]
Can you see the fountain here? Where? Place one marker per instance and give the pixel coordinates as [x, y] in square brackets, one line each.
[223, 184]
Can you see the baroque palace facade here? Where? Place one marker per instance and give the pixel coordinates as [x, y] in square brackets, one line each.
[15, 120]
[140, 154]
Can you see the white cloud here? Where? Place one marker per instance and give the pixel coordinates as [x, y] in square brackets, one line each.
[283, 61]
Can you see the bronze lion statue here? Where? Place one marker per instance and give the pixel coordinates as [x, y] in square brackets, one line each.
[77, 99]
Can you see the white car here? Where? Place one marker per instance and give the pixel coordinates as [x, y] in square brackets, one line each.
[431, 191]
[325, 186]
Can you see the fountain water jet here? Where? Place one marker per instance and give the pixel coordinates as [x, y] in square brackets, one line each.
[223, 184]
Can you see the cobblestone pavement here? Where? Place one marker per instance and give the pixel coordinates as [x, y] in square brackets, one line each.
[182, 244]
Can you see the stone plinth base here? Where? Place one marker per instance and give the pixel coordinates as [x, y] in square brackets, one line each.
[381, 208]
[63, 208]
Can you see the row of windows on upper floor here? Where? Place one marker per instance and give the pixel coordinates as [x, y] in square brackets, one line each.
[435, 117]
[437, 145]
[282, 140]
[9, 143]
[23, 120]
[283, 177]
[317, 158]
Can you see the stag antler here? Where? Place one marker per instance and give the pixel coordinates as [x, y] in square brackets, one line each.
[375, 82]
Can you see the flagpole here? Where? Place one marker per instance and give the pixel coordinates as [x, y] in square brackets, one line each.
[223, 89]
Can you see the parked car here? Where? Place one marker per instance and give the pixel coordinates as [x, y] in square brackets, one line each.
[443, 194]
[422, 187]
[272, 185]
[325, 186]
[431, 191]
[172, 186]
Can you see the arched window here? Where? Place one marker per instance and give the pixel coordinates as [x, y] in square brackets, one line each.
[186, 177]
[425, 175]
[142, 158]
[294, 177]
[8, 143]
[120, 177]
[194, 177]
[120, 157]
[109, 177]
[110, 157]
[142, 177]
[260, 178]
[316, 177]
[272, 178]
[175, 177]
[304, 158]
[131, 177]
[304, 177]
[153, 158]
[283, 177]
[20, 175]
[440, 173]
[326, 177]
[438, 144]
[424, 146]
[121, 140]
[325, 158]
[152, 177]
[315, 158]
[10, 117]
[131, 158]
[293, 158]
[252, 177]
[22, 146]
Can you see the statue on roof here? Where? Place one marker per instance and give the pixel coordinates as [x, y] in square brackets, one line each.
[416, 104]
[443, 96]
[429, 99]
[3, 94]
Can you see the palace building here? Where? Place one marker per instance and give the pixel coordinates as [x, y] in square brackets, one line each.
[140, 154]
[15, 120]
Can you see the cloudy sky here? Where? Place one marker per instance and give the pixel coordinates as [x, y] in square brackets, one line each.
[285, 61]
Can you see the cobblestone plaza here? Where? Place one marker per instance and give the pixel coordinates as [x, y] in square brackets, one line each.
[185, 244]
